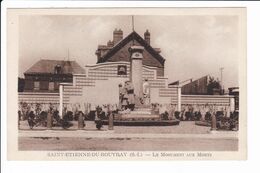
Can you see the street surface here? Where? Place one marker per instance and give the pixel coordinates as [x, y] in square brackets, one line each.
[185, 137]
[185, 127]
[128, 144]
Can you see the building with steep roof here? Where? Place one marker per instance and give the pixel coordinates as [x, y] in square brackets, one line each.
[46, 75]
[113, 67]
[117, 50]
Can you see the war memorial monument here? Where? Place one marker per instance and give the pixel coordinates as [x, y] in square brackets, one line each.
[124, 96]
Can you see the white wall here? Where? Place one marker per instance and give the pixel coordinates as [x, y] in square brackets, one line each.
[104, 92]
[155, 98]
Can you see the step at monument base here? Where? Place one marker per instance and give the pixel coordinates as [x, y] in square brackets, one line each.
[141, 113]
[137, 117]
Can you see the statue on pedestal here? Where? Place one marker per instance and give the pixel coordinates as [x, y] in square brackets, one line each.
[121, 95]
[126, 96]
[131, 97]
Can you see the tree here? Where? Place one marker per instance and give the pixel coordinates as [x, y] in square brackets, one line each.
[213, 86]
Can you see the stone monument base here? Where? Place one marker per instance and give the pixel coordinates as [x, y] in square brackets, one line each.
[137, 114]
[143, 122]
[141, 116]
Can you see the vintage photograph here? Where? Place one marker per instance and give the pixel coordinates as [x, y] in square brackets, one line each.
[128, 83]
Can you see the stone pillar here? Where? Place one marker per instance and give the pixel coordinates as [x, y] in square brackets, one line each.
[179, 99]
[80, 121]
[136, 77]
[61, 100]
[203, 116]
[213, 122]
[232, 104]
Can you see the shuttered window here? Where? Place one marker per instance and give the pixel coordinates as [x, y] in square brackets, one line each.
[29, 85]
[44, 85]
[51, 86]
[36, 85]
[56, 86]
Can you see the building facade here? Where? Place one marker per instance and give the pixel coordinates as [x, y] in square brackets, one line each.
[98, 83]
[196, 87]
[46, 75]
[118, 50]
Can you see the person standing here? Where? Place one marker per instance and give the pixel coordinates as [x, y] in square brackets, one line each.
[146, 92]
[124, 94]
[98, 118]
[121, 95]
[130, 93]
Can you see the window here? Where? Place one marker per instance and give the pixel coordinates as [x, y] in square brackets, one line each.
[44, 85]
[36, 85]
[29, 85]
[51, 86]
[121, 70]
[56, 86]
[57, 69]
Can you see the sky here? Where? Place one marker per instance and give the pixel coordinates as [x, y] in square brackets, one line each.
[193, 45]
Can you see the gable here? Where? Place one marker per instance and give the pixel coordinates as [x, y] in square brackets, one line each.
[120, 52]
[124, 55]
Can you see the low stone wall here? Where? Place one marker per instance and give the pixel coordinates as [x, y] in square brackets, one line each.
[34, 97]
[218, 100]
[164, 95]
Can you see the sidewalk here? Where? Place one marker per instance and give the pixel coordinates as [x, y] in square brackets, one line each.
[112, 134]
[186, 129]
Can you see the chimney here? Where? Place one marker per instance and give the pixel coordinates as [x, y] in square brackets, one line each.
[117, 36]
[110, 43]
[147, 36]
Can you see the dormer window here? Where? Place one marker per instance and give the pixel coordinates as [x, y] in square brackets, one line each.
[57, 69]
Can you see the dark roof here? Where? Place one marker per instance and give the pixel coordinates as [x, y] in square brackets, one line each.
[48, 66]
[130, 37]
[175, 83]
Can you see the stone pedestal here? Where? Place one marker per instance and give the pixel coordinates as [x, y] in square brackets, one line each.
[137, 69]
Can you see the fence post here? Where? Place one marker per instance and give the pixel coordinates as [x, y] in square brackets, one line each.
[49, 120]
